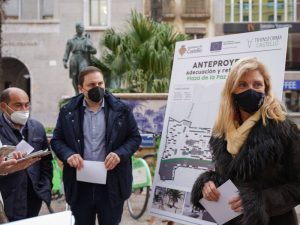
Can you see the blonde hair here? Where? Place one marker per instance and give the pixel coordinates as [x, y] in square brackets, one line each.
[271, 107]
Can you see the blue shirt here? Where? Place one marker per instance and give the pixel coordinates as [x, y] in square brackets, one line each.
[94, 129]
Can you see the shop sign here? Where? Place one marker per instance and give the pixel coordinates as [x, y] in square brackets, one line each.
[291, 85]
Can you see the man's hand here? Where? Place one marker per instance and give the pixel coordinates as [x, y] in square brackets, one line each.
[6, 165]
[111, 161]
[18, 155]
[12, 165]
[66, 64]
[75, 161]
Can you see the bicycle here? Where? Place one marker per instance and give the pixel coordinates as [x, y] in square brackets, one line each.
[143, 171]
[142, 182]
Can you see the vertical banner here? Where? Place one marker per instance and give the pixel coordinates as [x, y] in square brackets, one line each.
[200, 69]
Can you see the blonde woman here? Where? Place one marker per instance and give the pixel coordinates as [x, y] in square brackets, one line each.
[257, 147]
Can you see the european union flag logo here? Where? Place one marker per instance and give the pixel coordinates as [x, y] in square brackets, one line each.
[216, 46]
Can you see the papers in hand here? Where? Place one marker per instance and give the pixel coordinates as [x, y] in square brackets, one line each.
[92, 172]
[40, 153]
[220, 210]
[24, 147]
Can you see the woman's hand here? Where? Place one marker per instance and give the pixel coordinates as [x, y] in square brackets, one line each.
[210, 192]
[236, 204]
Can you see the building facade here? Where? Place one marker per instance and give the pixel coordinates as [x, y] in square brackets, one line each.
[35, 33]
[239, 16]
[191, 17]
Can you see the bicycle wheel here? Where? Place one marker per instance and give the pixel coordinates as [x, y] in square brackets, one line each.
[138, 201]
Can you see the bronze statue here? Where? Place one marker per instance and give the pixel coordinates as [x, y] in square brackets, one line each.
[81, 47]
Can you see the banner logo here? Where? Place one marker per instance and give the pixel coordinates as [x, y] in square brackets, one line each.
[182, 50]
[250, 41]
[262, 42]
[216, 46]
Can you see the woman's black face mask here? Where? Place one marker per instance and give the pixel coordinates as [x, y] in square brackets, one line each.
[96, 94]
[249, 101]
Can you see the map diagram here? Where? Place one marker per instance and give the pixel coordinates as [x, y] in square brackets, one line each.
[186, 146]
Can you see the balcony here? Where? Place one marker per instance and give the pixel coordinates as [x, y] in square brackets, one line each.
[195, 9]
[168, 9]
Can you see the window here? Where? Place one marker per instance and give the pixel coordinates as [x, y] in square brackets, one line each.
[29, 9]
[245, 18]
[267, 11]
[196, 9]
[195, 32]
[255, 11]
[298, 10]
[196, 36]
[98, 13]
[280, 10]
[292, 100]
[227, 11]
[168, 8]
[271, 18]
[291, 10]
[262, 11]
[293, 52]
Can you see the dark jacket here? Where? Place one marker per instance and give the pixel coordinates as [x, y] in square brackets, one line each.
[266, 172]
[40, 173]
[122, 137]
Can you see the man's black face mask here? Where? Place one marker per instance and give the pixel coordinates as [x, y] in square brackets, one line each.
[96, 94]
[249, 101]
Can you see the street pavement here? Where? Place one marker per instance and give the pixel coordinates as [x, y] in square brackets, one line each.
[59, 205]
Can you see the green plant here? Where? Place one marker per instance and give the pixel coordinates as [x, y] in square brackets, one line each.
[140, 59]
[49, 130]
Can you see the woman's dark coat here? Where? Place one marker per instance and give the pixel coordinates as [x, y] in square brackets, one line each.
[266, 172]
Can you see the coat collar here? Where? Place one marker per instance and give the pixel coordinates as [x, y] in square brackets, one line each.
[30, 129]
[264, 147]
[7, 130]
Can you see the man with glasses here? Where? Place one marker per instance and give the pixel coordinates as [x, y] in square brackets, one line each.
[23, 191]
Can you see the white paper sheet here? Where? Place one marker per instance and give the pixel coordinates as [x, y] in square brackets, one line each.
[24, 147]
[221, 210]
[61, 218]
[92, 172]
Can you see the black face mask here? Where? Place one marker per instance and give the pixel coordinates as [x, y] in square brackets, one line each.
[249, 101]
[96, 94]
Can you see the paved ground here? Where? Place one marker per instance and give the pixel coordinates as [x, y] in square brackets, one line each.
[60, 205]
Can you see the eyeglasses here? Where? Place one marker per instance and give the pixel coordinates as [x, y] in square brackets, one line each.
[19, 106]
